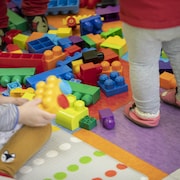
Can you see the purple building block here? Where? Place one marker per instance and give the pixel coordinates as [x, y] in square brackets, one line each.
[107, 118]
[109, 13]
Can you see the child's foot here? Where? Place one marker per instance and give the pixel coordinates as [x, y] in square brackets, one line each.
[4, 176]
[38, 23]
[169, 97]
[131, 114]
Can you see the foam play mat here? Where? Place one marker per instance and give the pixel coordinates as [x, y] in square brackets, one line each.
[66, 157]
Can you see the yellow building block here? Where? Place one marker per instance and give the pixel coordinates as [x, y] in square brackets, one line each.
[52, 31]
[76, 66]
[70, 117]
[28, 96]
[20, 40]
[53, 56]
[19, 92]
[117, 44]
[52, 97]
[64, 32]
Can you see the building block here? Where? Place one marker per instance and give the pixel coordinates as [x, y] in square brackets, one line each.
[117, 44]
[92, 56]
[89, 73]
[113, 84]
[16, 21]
[97, 39]
[12, 48]
[53, 56]
[64, 42]
[64, 32]
[9, 35]
[109, 13]
[109, 55]
[91, 24]
[87, 93]
[88, 122]
[63, 72]
[76, 66]
[165, 66]
[40, 45]
[8, 75]
[13, 85]
[51, 93]
[16, 60]
[71, 50]
[19, 92]
[117, 31]
[167, 80]
[70, 117]
[77, 40]
[20, 40]
[63, 7]
[107, 68]
[88, 42]
[107, 118]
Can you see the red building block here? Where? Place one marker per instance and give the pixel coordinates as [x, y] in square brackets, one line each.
[89, 73]
[72, 49]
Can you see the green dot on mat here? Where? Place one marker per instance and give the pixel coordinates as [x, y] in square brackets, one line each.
[85, 159]
[47, 179]
[99, 153]
[60, 175]
[73, 167]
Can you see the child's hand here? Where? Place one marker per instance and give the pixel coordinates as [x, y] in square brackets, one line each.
[12, 100]
[31, 115]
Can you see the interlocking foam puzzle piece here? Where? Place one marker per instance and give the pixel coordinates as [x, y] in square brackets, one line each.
[70, 117]
[50, 92]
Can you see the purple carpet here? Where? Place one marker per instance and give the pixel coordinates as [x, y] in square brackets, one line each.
[159, 146]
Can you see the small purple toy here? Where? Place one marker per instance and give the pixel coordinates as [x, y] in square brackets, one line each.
[107, 118]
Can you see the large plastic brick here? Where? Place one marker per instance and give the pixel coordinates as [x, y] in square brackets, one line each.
[71, 50]
[64, 32]
[16, 21]
[53, 56]
[117, 31]
[50, 91]
[63, 7]
[88, 41]
[87, 93]
[89, 73]
[20, 40]
[91, 24]
[109, 13]
[19, 92]
[62, 72]
[88, 123]
[167, 80]
[78, 41]
[117, 44]
[107, 67]
[64, 42]
[16, 60]
[70, 117]
[40, 45]
[107, 118]
[8, 75]
[113, 84]
[76, 66]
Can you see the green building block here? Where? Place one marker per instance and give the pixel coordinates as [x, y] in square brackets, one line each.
[87, 93]
[89, 41]
[8, 75]
[88, 123]
[112, 32]
[16, 21]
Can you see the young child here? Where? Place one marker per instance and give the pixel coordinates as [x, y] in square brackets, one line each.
[149, 27]
[33, 10]
[24, 129]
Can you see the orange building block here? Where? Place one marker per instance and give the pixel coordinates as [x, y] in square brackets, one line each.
[167, 80]
[96, 38]
[107, 68]
[53, 56]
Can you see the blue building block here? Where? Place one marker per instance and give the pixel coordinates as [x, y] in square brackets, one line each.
[63, 7]
[92, 24]
[64, 43]
[40, 45]
[113, 84]
[69, 59]
[63, 72]
[13, 85]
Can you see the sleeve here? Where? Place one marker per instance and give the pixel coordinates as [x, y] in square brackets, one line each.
[9, 115]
